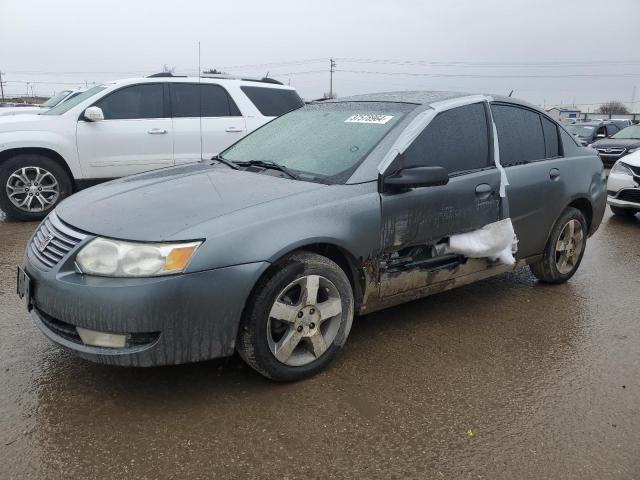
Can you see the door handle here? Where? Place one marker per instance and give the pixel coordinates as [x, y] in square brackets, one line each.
[157, 131]
[233, 130]
[484, 190]
[554, 174]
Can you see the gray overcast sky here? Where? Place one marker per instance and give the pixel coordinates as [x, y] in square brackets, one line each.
[67, 42]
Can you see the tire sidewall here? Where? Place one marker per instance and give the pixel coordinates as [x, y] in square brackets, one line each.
[31, 160]
[257, 314]
[549, 257]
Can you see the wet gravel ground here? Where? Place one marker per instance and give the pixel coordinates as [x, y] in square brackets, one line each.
[503, 379]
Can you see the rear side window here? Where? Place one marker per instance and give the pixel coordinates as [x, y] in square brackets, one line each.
[273, 102]
[216, 102]
[193, 100]
[520, 136]
[457, 139]
[137, 101]
[552, 144]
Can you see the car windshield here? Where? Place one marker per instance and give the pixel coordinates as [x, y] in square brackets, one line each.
[53, 101]
[630, 132]
[325, 142]
[72, 102]
[580, 130]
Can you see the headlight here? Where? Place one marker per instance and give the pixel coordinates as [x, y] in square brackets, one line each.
[115, 258]
[634, 149]
[621, 168]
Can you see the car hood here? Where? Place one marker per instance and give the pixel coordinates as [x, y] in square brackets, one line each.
[632, 159]
[26, 121]
[617, 143]
[157, 205]
[21, 110]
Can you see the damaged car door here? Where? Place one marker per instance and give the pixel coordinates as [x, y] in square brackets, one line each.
[415, 219]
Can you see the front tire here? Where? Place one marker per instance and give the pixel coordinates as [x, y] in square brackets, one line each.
[297, 319]
[31, 185]
[564, 250]
[623, 212]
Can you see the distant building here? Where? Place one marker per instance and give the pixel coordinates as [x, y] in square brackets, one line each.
[563, 114]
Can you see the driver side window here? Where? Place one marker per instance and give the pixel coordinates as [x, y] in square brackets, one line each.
[134, 102]
[456, 139]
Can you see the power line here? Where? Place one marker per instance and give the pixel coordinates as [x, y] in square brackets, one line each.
[480, 75]
[587, 63]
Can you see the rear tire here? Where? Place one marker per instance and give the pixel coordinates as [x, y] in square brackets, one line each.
[297, 319]
[623, 212]
[564, 250]
[31, 185]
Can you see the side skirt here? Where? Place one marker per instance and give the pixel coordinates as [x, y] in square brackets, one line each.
[394, 289]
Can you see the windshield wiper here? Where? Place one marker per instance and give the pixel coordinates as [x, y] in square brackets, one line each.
[271, 165]
[228, 163]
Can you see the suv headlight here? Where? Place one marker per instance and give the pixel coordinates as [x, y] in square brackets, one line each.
[621, 168]
[116, 258]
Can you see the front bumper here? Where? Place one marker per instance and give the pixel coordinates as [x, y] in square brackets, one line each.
[168, 320]
[623, 191]
[616, 202]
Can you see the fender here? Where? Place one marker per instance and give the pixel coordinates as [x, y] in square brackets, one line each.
[63, 145]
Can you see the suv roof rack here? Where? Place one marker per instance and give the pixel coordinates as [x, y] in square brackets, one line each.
[164, 74]
[246, 79]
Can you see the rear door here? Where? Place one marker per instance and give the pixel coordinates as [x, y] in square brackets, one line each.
[205, 121]
[135, 135]
[530, 152]
[459, 140]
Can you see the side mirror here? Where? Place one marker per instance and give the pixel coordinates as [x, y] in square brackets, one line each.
[416, 177]
[93, 114]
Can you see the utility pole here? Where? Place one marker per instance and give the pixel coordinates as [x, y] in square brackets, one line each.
[633, 98]
[1, 87]
[332, 65]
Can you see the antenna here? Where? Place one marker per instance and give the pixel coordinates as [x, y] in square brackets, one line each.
[200, 100]
[511, 93]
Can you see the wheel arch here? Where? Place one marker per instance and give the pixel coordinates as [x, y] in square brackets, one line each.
[46, 152]
[584, 205]
[338, 254]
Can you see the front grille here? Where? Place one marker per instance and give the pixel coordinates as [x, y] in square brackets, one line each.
[53, 240]
[629, 195]
[611, 152]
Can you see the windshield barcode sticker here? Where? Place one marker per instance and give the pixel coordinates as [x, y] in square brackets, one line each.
[369, 118]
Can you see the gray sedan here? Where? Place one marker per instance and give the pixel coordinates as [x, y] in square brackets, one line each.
[336, 209]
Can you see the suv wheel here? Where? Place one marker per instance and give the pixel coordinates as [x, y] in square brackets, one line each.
[31, 185]
[297, 319]
[623, 212]
[564, 250]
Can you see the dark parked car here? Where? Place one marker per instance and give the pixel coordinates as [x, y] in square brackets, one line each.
[620, 144]
[589, 132]
[340, 208]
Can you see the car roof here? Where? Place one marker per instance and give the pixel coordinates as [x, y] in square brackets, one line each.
[425, 97]
[213, 79]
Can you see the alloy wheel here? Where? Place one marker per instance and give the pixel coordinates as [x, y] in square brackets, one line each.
[569, 246]
[32, 189]
[304, 320]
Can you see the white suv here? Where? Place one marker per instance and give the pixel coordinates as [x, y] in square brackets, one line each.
[126, 127]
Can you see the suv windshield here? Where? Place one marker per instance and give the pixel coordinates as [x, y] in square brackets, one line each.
[324, 142]
[53, 101]
[629, 132]
[580, 130]
[72, 102]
